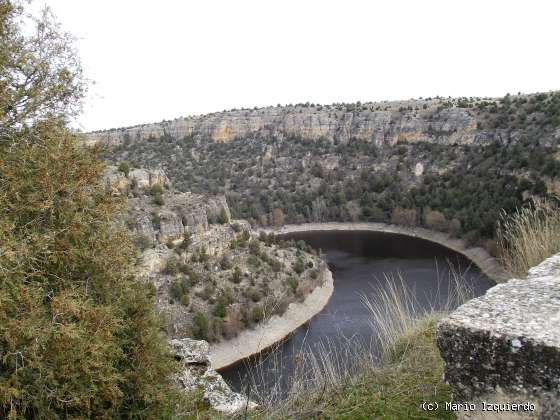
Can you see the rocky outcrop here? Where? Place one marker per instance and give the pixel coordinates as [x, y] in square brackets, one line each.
[174, 216]
[432, 120]
[120, 183]
[197, 374]
[504, 348]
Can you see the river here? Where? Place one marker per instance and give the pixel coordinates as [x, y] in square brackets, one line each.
[362, 263]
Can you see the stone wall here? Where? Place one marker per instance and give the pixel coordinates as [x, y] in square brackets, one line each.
[504, 348]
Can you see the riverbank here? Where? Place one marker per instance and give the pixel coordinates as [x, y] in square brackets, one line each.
[479, 256]
[275, 329]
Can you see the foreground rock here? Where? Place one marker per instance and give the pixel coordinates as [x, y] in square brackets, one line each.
[198, 374]
[504, 347]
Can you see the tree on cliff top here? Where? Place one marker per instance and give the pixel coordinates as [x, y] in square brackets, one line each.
[78, 335]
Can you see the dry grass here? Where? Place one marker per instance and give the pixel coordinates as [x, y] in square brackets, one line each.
[409, 370]
[529, 236]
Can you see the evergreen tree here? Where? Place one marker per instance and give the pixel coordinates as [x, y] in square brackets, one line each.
[78, 335]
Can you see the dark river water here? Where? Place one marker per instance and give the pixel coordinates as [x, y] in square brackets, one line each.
[362, 263]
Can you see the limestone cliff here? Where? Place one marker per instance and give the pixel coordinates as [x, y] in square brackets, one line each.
[445, 121]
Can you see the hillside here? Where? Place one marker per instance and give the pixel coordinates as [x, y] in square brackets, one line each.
[446, 164]
[211, 275]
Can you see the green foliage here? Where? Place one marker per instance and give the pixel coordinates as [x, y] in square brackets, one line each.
[292, 284]
[156, 190]
[299, 266]
[180, 290]
[78, 335]
[41, 75]
[157, 193]
[172, 266]
[200, 327]
[222, 217]
[124, 167]
[257, 313]
[158, 199]
[225, 262]
[236, 275]
[479, 180]
[187, 241]
[224, 299]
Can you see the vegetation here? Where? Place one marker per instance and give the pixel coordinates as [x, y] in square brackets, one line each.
[78, 336]
[528, 236]
[462, 189]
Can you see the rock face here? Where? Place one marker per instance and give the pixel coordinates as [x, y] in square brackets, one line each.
[119, 183]
[505, 346]
[197, 374]
[383, 123]
[179, 214]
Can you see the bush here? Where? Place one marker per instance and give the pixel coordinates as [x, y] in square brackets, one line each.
[292, 283]
[124, 167]
[236, 275]
[172, 266]
[255, 295]
[93, 348]
[180, 291]
[158, 199]
[200, 327]
[222, 217]
[299, 266]
[257, 314]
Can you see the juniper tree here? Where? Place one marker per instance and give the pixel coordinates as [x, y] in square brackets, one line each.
[78, 335]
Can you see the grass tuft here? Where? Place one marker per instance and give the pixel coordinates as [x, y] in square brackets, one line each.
[393, 385]
[529, 236]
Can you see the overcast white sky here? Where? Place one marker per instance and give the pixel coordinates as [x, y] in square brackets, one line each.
[154, 60]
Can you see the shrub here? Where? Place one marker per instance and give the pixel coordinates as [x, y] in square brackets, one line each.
[255, 295]
[187, 240]
[299, 266]
[257, 314]
[292, 283]
[124, 167]
[222, 217]
[236, 275]
[158, 199]
[180, 290]
[93, 347]
[200, 326]
[156, 190]
[171, 266]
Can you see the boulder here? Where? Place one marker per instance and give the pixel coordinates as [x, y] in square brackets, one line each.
[504, 347]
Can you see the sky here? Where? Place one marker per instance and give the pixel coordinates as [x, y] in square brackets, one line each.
[161, 60]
